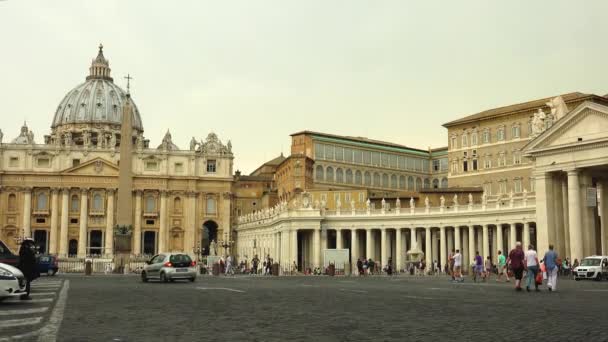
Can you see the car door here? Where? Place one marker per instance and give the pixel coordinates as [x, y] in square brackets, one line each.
[153, 268]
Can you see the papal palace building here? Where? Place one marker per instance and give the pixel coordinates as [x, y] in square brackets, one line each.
[533, 172]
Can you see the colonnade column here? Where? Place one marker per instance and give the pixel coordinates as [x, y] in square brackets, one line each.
[499, 244]
[54, 221]
[190, 231]
[137, 224]
[162, 225]
[27, 212]
[428, 254]
[339, 241]
[399, 250]
[109, 236]
[604, 214]
[294, 246]
[450, 241]
[544, 208]
[443, 257]
[413, 239]
[526, 235]
[368, 243]
[354, 247]
[316, 245]
[383, 254]
[486, 242]
[82, 235]
[63, 233]
[564, 184]
[574, 216]
[457, 238]
[465, 249]
[512, 235]
[471, 244]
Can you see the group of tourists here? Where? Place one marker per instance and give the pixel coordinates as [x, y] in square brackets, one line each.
[536, 270]
[367, 266]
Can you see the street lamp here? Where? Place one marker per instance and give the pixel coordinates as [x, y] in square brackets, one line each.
[225, 243]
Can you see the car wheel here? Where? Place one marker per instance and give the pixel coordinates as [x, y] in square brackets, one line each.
[598, 277]
[144, 277]
[163, 278]
[192, 279]
[577, 279]
[50, 273]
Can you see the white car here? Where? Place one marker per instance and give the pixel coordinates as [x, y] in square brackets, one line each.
[12, 282]
[593, 267]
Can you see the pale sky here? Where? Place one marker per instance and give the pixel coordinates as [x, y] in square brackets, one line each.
[256, 71]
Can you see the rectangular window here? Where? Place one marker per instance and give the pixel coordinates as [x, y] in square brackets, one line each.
[487, 163]
[348, 155]
[454, 145]
[487, 188]
[13, 162]
[179, 167]
[211, 166]
[150, 222]
[515, 132]
[464, 140]
[516, 158]
[502, 187]
[474, 139]
[151, 166]
[75, 162]
[532, 184]
[402, 162]
[367, 157]
[339, 152]
[444, 164]
[211, 206]
[517, 185]
[347, 198]
[486, 136]
[358, 156]
[411, 163]
[474, 164]
[385, 159]
[43, 162]
[329, 152]
[394, 161]
[319, 151]
[436, 165]
[465, 166]
[500, 135]
[361, 197]
[375, 158]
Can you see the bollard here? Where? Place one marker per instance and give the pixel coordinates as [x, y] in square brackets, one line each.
[88, 267]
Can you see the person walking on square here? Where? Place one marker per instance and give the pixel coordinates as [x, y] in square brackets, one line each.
[451, 264]
[550, 260]
[488, 268]
[254, 264]
[457, 257]
[360, 266]
[502, 267]
[532, 266]
[478, 266]
[516, 261]
[229, 265]
[27, 265]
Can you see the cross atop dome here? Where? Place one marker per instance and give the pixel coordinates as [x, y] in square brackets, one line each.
[100, 67]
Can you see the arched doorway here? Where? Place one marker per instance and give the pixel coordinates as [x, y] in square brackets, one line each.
[209, 234]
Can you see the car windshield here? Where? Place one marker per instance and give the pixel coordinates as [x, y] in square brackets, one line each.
[180, 258]
[590, 262]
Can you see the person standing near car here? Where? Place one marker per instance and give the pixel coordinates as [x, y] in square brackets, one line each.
[27, 264]
[550, 260]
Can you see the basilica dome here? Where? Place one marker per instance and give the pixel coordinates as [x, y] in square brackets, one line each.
[97, 101]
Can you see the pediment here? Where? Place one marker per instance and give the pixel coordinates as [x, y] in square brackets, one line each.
[586, 123]
[97, 166]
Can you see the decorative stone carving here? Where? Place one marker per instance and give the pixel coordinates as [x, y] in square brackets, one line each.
[112, 141]
[455, 199]
[86, 139]
[167, 143]
[213, 248]
[140, 142]
[368, 204]
[442, 201]
[352, 204]
[338, 204]
[67, 139]
[1, 136]
[193, 144]
[558, 107]
[538, 122]
[398, 203]
[470, 199]
[427, 204]
[412, 203]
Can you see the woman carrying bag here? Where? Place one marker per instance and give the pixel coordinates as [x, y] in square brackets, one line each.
[532, 267]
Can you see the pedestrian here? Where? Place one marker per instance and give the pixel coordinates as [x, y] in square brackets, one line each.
[229, 265]
[370, 266]
[436, 268]
[502, 267]
[516, 261]
[488, 267]
[389, 267]
[566, 267]
[451, 264]
[27, 265]
[254, 264]
[550, 260]
[533, 268]
[360, 266]
[365, 266]
[478, 266]
[457, 257]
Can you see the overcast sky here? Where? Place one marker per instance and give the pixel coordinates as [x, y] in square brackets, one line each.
[256, 71]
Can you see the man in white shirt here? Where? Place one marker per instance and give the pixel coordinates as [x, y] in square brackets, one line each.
[457, 257]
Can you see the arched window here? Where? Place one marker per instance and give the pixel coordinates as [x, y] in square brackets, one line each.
[177, 205]
[377, 179]
[319, 173]
[368, 178]
[384, 180]
[358, 177]
[12, 202]
[444, 182]
[97, 202]
[394, 184]
[329, 174]
[150, 204]
[401, 182]
[410, 183]
[349, 176]
[435, 183]
[74, 204]
[427, 183]
[41, 201]
[211, 205]
[418, 183]
[339, 175]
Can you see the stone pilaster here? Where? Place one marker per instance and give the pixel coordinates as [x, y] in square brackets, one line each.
[82, 235]
[54, 221]
[109, 236]
[63, 233]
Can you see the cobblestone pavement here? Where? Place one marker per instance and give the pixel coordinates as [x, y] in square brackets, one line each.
[40, 316]
[121, 308]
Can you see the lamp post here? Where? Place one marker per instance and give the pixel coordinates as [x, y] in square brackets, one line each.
[225, 243]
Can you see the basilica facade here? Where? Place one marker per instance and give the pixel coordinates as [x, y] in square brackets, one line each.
[63, 190]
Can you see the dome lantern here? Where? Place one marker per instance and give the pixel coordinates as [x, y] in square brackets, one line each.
[100, 67]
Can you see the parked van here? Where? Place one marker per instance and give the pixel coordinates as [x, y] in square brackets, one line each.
[592, 267]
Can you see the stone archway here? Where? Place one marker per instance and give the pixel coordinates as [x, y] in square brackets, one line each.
[209, 233]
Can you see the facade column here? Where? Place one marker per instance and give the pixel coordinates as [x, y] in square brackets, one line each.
[27, 212]
[354, 248]
[450, 241]
[574, 217]
[137, 224]
[465, 249]
[471, 245]
[558, 225]
[512, 235]
[399, 250]
[413, 239]
[526, 235]
[383, 253]
[588, 217]
[368, 243]
[63, 233]
[428, 252]
[457, 239]
[316, 249]
[190, 231]
[162, 225]
[109, 236]
[82, 234]
[486, 242]
[294, 247]
[544, 209]
[339, 241]
[565, 220]
[435, 237]
[603, 211]
[443, 257]
[499, 244]
[54, 221]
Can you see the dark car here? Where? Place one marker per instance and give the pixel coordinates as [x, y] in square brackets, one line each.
[7, 256]
[47, 264]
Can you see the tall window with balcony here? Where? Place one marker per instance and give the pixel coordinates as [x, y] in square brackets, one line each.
[211, 206]
[515, 131]
[211, 166]
[500, 134]
[474, 139]
[486, 136]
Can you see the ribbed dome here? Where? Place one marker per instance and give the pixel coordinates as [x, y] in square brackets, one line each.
[96, 101]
